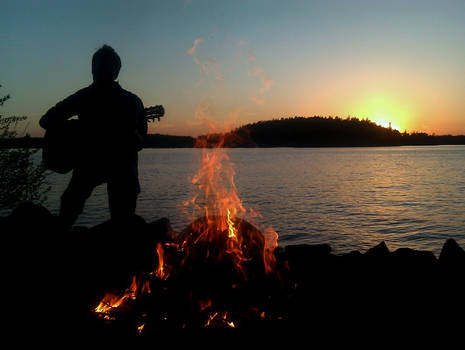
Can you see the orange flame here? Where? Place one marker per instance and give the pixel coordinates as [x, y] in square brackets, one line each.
[162, 270]
[220, 319]
[271, 243]
[231, 229]
[221, 232]
[140, 328]
[217, 200]
[204, 304]
[112, 301]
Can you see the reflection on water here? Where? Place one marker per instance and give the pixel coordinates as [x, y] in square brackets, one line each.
[352, 198]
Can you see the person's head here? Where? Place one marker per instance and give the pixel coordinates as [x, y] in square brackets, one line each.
[106, 64]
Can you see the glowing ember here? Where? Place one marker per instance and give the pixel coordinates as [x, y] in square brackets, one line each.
[141, 328]
[219, 320]
[112, 301]
[203, 305]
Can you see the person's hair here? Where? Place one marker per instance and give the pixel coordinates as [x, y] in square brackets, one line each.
[106, 64]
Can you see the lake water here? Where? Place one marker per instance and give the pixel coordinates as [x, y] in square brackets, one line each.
[351, 198]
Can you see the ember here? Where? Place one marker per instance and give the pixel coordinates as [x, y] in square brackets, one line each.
[111, 302]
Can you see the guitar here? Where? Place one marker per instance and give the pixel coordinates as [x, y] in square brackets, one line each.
[154, 112]
[60, 143]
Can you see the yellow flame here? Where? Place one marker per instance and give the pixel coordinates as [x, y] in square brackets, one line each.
[141, 328]
[112, 301]
[231, 229]
[160, 271]
[222, 319]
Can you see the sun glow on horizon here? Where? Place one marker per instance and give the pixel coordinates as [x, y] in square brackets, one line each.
[385, 123]
[385, 110]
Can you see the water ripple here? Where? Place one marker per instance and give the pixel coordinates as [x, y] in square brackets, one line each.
[351, 198]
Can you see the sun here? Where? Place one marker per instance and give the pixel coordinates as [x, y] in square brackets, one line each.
[384, 110]
[385, 122]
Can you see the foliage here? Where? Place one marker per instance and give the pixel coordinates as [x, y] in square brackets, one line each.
[327, 132]
[21, 177]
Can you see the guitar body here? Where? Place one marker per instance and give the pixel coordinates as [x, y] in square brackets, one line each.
[61, 143]
[60, 146]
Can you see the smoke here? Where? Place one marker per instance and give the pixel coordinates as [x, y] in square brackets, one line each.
[193, 50]
[252, 57]
[208, 67]
[266, 83]
[212, 67]
[242, 43]
[204, 117]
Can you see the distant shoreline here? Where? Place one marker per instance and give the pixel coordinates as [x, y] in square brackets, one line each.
[298, 132]
[36, 142]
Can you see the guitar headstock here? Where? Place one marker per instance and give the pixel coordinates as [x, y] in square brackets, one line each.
[154, 112]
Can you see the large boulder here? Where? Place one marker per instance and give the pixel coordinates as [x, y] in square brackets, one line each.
[452, 254]
[379, 252]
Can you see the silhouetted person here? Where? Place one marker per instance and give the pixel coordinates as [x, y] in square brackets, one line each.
[112, 127]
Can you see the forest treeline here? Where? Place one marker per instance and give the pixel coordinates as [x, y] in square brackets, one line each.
[324, 132]
[290, 132]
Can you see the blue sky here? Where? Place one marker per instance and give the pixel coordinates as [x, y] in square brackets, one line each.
[399, 61]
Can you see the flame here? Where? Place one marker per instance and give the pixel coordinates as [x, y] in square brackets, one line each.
[217, 190]
[204, 304]
[112, 301]
[220, 319]
[217, 200]
[218, 231]
[162, 270]
[140, 328]
[108, 304]
[271, 243]
[231, 229]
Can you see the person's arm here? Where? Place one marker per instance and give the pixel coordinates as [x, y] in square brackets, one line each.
[62, 111]
[141, 130]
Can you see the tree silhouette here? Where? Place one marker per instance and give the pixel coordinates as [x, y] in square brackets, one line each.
[21, 178]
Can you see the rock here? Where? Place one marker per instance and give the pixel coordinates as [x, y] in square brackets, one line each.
[452, 272]
[452, 254]
[380, 251]
[311, 265]
[412, 270]
[28, 217]
[307, 250]
[123, 246]
[352, 258]
[411, 257]
[29, 234]
[117, 227]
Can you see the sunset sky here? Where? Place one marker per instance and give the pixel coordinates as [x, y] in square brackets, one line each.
[242, 61]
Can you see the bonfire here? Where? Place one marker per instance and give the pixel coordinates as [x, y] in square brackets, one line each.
[215, 273]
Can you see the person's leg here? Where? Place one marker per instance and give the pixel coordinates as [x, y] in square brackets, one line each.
[123, 188]
[74, 197]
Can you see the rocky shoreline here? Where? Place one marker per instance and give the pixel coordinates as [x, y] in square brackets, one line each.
[65, 272]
